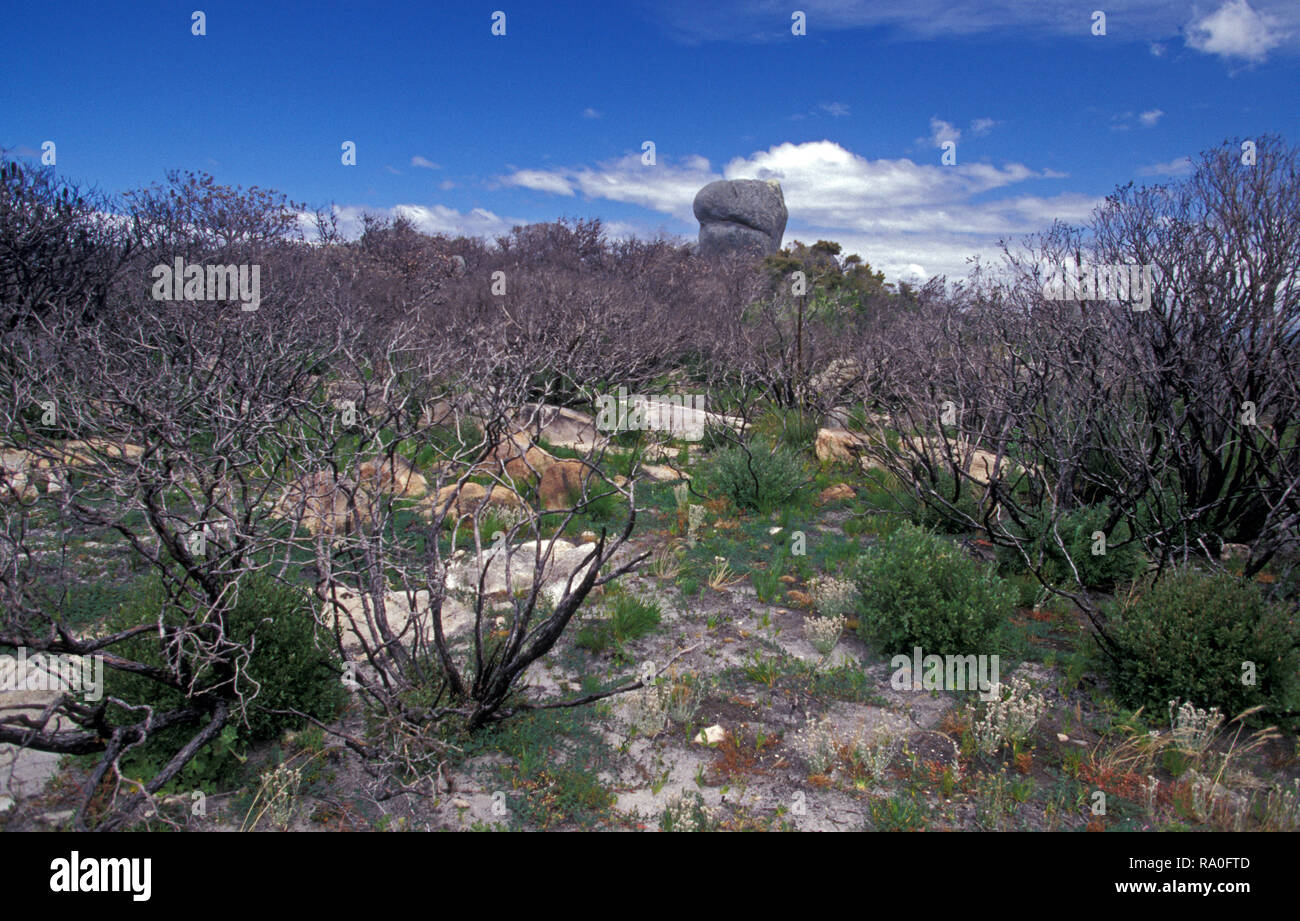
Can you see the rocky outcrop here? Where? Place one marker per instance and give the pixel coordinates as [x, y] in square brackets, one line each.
[560, 426]
[320, 503]
[391, 475]
[517, 458]
[740, 216]
[839, 446]
[466, 500]
[512, 570]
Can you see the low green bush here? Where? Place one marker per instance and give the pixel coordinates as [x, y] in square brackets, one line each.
[629, 618]
[1120, 561]
[918, 588]
[949, 507]
[1189, 635]
[794, 428]
[759, 479]
[291, 667]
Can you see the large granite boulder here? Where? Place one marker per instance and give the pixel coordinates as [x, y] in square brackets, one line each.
[741, 215]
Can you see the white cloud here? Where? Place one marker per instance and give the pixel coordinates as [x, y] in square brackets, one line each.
[1150, 117]
[589, 112]
[665, 187]
[423, 163]
[834, 109]
[982, 126]
[540, 181]
[1235, 30]
[1179, 166]
[1152, 22]
[941, 132]
[393, 170]
[896, 213]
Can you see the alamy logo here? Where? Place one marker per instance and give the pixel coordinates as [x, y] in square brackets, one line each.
[103, 874]
[945, 673]
[675, 414]
[1080, 281]
[44, 672]
[181, 282]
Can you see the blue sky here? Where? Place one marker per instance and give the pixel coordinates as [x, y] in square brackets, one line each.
[464, 131]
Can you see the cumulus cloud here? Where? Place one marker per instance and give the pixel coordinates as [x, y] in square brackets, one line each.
[982, 126]
[895, 213]
[1179, 166]
[1236, 30]
[668, 187]
[1150, 117]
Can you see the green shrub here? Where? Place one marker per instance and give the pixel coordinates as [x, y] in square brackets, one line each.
[920, 589]
[759, 479]
[792, 428]
[962, 499]
[290, 667]
[1120, 563]
[629, 618]
[766, 582]
[1186, 637]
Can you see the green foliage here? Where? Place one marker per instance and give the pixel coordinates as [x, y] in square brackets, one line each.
[629, 618]
[793, 428]
[920, 589]
[1187, 636]
[766, 582]
[898, 814]
[953, 501]
[756, 477]
[289, 668]
[1120, 562]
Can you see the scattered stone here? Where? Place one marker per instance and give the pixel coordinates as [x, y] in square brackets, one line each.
[838, 446]
[711, 735]
[836, 493]
[392, 475]
[564, 483]
[404, 612]
[469, 497]
[560, 426]
[1234, 552]
[1062, 737]
[321, 504]
[562, 560]
[518, 458]
[837, 376]
[660, 473]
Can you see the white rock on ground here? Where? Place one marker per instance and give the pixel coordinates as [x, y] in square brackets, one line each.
[25, 771]
[561, 561]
